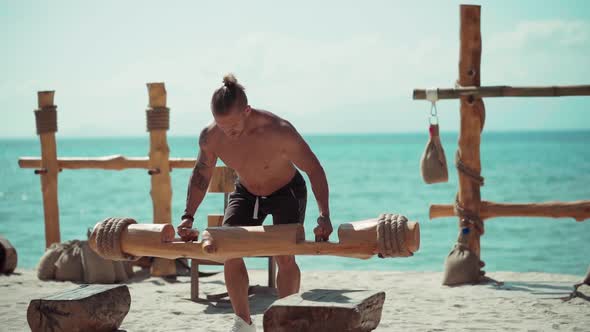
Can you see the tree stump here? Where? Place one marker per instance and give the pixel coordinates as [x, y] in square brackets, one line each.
[8, 256]
[86, 308]
[325, 310]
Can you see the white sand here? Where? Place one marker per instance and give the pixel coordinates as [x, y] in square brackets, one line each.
[415, 301]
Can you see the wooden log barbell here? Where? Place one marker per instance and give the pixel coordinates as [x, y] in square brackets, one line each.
[356, 239]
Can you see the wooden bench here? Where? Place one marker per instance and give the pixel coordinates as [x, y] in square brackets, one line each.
[222, 181]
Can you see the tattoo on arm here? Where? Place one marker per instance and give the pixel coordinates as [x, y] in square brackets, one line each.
[197, 186]
[203, 136]
[199, 181]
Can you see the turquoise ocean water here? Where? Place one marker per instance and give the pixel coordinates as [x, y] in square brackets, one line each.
[367, 174]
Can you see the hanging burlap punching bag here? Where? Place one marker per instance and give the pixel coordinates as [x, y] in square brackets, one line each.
[433, 165]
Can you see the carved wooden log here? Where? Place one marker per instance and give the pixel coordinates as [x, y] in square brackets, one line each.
[357, 239]
[325, 310]
[8, 256]
[86, 308]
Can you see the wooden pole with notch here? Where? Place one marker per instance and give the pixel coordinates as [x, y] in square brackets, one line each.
[46, 122]
[158, 122]
[472, 115]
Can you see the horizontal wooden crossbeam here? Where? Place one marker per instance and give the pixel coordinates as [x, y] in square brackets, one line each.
[114, 162]
[222, 180]
[579, 210]
[508, 91]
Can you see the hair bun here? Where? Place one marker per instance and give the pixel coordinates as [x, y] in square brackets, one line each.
[230, 80]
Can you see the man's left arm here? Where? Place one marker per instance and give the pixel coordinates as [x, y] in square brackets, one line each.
[299, 153]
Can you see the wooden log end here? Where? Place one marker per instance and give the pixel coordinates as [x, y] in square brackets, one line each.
[8, 256]
[168, 232]
[413, 236]
[45, 99]
[209, 247]
[157, 95]
[470, 7]
[440, 210]
[418, 94]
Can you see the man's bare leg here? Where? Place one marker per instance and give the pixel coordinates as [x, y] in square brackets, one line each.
[288, 277]
[237, 282]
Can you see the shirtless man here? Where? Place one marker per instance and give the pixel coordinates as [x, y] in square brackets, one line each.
[265, 151]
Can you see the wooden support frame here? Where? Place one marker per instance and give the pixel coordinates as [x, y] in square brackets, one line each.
[472, 113]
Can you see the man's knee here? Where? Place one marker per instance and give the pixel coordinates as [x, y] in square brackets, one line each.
[286, 262]
[233, 263]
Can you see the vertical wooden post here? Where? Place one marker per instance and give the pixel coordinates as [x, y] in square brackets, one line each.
[472, 114]
[194, 279]
[46, 121]
[161, 189]
[272, 272]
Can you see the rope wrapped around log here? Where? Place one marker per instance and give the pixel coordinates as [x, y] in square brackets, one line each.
[108, 238]
[46, 120]
[466, 170]
[391, 231]
[158, 118]
[467, 217]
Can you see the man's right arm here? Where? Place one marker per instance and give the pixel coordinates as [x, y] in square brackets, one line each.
[201, 176]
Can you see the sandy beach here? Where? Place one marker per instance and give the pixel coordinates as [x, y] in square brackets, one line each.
[415, 301]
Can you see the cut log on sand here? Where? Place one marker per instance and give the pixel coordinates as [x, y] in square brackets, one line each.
[86, 308]
[8, 256]
[123, 238]
[325, 310]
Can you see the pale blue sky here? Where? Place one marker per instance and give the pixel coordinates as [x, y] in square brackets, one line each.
[329, 66]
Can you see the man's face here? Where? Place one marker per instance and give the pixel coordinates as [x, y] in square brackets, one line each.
[233, 123]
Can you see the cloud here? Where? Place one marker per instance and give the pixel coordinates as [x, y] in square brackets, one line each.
[543, 35]
[362, 79]
[541, 52]
[296, 75]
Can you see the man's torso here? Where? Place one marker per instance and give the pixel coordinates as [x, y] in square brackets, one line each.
[257, 156]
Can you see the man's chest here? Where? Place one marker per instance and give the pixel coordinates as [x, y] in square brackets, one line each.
[253, 153]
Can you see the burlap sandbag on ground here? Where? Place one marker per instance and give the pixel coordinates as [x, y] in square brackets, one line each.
[433, 164]
[96, 269]
[128, 268]
[75, 261]
[120, 271]
[462, 266]
[46, 267]
[8, 256]
[69, 263]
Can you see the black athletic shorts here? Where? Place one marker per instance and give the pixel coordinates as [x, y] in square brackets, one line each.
[286, 205]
